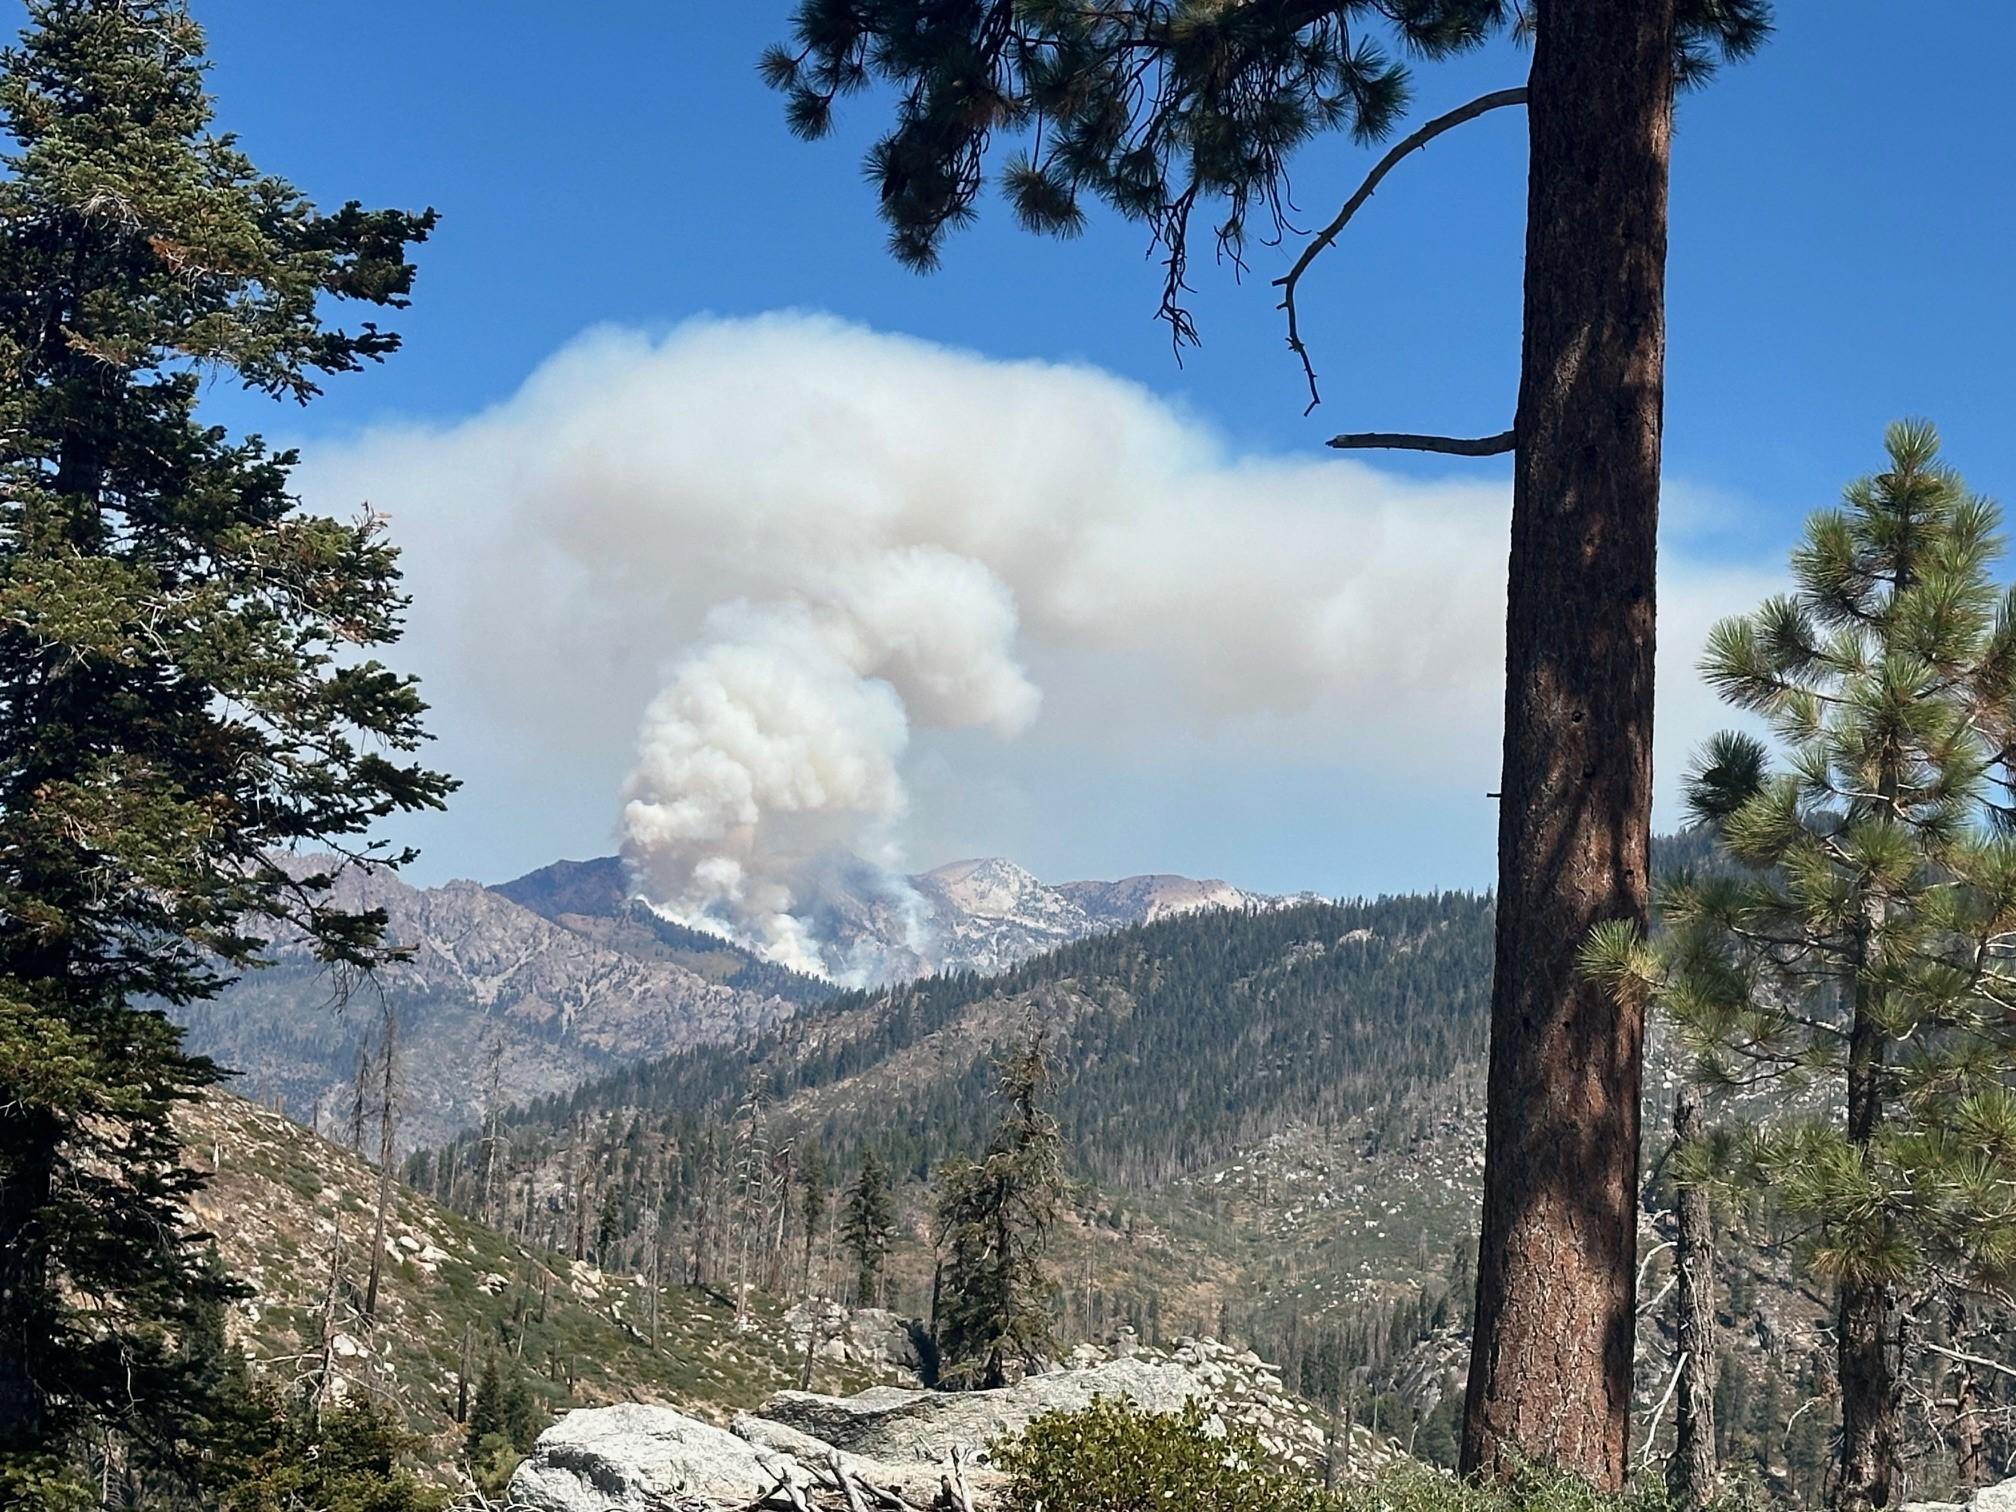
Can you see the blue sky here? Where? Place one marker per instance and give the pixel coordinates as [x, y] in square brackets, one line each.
[1842, 210]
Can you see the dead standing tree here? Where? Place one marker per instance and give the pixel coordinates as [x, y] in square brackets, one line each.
[388, 1127]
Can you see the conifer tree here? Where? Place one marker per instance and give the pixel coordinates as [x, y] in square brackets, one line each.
[187, 680]
[868, 1227]
[349, 1459]
[812, 1200]
[1865, 937]
[995, 1217]
[1167, 109]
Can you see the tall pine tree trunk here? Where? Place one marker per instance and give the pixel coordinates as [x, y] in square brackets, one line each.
[1867, 1318]
[1692, 1471]
[1970, 1447]
[1867, 1321]
[1550, 1368]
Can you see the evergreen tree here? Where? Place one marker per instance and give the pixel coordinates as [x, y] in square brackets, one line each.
[344, 1459]
[1864, 939]
[1158, 107]
[488, 1412]
[187, 689]
[994, 1222]
[504, 1420]
[868, 1226]
[812, 1202]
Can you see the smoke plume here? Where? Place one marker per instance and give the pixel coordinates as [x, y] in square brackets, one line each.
[811, 556]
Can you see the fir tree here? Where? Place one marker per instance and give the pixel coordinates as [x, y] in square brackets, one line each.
[995, 1217]
[867, 1228]
[1864, 939]
[187, 687]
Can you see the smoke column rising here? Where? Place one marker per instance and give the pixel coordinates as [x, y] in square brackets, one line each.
[808, 553]
[778, 742]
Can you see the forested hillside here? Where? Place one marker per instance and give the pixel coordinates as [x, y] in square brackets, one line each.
[1195, 1056]
[1177, 1042]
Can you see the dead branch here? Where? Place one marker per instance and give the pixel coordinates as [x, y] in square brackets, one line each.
[1659, 1412]
[1967, 1359]
[1291, 281]
[1454, 446]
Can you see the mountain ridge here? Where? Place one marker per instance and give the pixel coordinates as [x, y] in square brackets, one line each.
[530, 987]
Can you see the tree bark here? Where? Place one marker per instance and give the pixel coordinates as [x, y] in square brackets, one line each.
[1692, 1472]
[1550, 1370]
[1970, 1448]
[1868, 1343]
[31, 1139]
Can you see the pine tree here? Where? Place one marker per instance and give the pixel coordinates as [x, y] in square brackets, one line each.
[1160, 107]
[1863, 939]
[868, 1227]
[812, 1200]
[995, 1217]
[187, 688]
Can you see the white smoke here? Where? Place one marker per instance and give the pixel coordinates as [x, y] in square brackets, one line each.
[811, 552]
[778, 742]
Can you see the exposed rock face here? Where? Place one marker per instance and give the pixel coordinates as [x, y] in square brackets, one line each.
[1142, 900]
[897, 1438]
[639, 1459]
[871, 1336]
[1997, 1498]
[890, 1424]
[989, 914]
[486, 977]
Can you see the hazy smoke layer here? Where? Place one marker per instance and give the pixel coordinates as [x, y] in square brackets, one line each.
[804, 549]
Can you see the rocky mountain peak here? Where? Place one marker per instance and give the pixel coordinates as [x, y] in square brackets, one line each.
[988, 887]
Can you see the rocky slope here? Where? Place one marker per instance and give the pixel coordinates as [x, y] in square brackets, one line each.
[495, 1003]
[293, 1216]
[988, 914]
[624, 1459]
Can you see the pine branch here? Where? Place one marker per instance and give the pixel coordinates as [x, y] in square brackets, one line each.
[1414, 142]
[1454, 446]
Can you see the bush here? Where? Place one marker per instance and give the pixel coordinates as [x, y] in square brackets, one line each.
[42, 1483]
[351, 1461]
[1111, 1457]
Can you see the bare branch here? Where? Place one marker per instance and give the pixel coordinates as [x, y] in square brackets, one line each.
[1414, 142]
[1966, 1359]
[1454, 446]
[1658, 1412]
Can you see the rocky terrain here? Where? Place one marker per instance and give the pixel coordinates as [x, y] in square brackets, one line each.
[988, 914]
[293, 1216]
[904, 1443]
[495, 1004]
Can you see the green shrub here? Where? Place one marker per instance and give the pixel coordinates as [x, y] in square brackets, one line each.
[353, 1460]
[1111, 1457]
[42, 1483]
